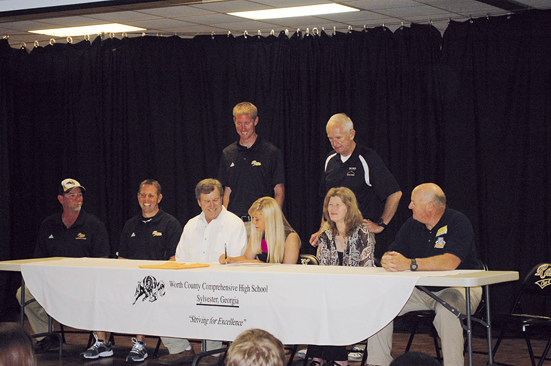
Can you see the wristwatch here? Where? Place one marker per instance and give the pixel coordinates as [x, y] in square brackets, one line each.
[381, 223]
[413, 266]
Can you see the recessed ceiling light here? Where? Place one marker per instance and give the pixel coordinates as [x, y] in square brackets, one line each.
[296, 11]
[88, 30]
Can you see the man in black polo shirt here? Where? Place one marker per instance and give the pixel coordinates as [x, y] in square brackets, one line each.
[361, 170]
[435, 238]
[73, 233]
[151, 235]
[251, 167]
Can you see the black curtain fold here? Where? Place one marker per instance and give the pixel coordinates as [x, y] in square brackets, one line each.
[468, 110]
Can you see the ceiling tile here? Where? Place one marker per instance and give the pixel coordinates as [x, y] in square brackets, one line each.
[177, 11]
[231, 6]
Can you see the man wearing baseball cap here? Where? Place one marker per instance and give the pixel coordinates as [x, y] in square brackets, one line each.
[71, 233]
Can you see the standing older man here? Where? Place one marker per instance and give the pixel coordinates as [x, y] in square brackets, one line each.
[151, 235]
[361, 170]
[251, 167]
[207, 236]
[73, 233]
[435, 238]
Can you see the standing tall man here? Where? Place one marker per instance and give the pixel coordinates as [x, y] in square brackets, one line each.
[251, 167]
[435, 238]
[153, 235]
[205, 238]
[71, 233]
[361, 170]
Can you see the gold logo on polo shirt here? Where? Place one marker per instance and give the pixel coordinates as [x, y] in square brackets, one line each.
[156, 233]
[443, 230]
[81, 236]
[256, 163]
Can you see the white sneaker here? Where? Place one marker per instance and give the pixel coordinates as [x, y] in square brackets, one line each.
[301, 353]
[98, 349]
[138, 352]
[356, 356]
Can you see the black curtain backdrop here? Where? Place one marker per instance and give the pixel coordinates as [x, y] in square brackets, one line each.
[469, 111]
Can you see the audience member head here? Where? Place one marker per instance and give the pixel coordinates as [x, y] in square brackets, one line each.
[267, 221]
[345, 197]
[209, 197]
[414, 359]
[256, 347]
[16, 346]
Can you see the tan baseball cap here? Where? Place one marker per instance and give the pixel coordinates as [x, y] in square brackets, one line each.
[68, 184]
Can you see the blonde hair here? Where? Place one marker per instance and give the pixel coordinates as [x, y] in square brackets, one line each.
[256, 347]
[353, 216]
[274, 230]
[245, 108]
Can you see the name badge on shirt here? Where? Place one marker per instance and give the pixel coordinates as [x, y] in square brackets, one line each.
[443, 230]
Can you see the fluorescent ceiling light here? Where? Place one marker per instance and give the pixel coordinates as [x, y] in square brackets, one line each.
[296, 11]
[10, 5]
[88, 30]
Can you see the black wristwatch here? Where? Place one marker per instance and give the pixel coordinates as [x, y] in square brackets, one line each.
[413, 266]
[381, 223]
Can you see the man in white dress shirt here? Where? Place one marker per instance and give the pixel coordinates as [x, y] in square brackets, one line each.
[205, 237]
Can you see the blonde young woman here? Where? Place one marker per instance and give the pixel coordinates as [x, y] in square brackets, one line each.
[272, 240]
[345, 241]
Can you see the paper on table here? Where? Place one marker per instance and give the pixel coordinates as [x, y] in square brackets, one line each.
[175, 265]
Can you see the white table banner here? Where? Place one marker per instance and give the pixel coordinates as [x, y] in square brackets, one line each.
[299, 304]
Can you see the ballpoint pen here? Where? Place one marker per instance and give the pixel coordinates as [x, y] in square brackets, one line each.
[226, 253]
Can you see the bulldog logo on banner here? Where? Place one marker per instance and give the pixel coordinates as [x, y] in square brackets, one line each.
[150, 289]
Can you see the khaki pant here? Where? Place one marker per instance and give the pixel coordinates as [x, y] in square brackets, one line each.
[38, 318]
[177, 345]
[446, 323]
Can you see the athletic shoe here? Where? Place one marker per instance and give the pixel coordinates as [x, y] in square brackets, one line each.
[356, 356]
[301, 353]
[208, 361]
[98, 349]
[177, 358]
[51, 341]
[138, 352]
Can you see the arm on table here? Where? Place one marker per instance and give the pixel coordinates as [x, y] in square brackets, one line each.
[396, 262]
[249, 256]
